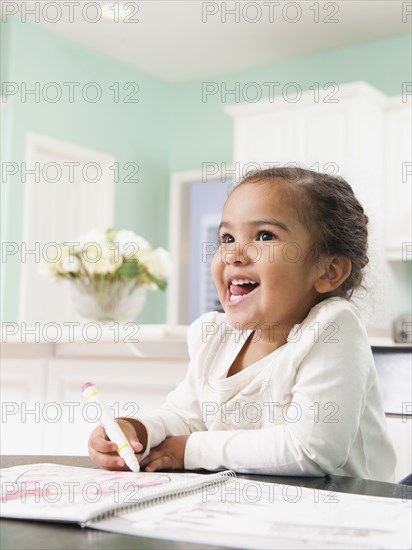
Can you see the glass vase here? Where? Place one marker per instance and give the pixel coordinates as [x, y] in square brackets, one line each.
[104, 301]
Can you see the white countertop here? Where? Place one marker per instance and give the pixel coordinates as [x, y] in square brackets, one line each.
[381, 337]
[94, 339]
[117, 340]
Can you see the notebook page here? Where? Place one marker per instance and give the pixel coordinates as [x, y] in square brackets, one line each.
[52, 492]
[250, 514]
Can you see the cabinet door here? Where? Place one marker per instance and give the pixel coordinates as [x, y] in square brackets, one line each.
[343, 138]
[127, 387]
[263, 139]
[400, 432]
[398, 179]
[308, 136]
[23, 400]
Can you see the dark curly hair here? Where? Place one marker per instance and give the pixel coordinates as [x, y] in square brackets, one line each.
[327, 206]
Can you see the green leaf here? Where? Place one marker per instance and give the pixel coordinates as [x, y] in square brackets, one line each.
[161, 283]
[128, 269]
[111, 234]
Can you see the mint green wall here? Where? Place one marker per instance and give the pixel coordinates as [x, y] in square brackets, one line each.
[131, 132]
[170, 128]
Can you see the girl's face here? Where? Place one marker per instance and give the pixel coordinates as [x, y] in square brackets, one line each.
[261, 271]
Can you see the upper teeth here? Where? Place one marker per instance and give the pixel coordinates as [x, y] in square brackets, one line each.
[242, 282]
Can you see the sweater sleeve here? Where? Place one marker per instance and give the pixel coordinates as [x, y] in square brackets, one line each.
[181, 414]
[320, 422]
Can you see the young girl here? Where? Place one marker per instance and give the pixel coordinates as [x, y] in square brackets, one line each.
[284, 382]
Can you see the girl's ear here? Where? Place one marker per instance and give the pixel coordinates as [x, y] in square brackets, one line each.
[335, 270]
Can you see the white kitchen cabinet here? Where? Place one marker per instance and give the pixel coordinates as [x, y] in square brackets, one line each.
[23, 395]
[47, 378]
[127, 387]
[309, 133]
[398, 179]
[400, 432]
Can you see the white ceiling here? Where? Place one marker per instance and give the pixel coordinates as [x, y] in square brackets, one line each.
[171, 42]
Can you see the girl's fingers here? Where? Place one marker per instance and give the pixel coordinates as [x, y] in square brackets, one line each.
[143, 463]
[100, 442]
[137, 446]
[105, 460]
[162, 463]
[103, 446]
[103, 452]
[151, 457]
[130, 434]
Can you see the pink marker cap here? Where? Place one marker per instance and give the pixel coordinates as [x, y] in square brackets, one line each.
[87, 385]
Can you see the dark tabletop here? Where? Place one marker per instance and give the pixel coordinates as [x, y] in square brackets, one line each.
[19, 534]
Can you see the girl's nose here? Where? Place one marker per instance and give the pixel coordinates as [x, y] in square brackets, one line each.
[239, 253]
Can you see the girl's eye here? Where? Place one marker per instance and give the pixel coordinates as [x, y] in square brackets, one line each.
[266, 236]
[226, 238]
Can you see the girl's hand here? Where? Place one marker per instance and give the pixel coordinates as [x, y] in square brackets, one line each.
[103, 452]
[169, 455]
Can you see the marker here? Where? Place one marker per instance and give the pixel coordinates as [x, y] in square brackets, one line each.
[112, 428]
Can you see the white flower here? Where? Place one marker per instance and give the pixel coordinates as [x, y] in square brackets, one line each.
[158, 263]
[131, 245]
[95, 235]
[101, 259]
[52, 268]
[70, 264]
[91, 254]
[98, 255]
[55, 266]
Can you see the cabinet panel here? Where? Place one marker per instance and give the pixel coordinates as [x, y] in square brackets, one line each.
[398, 176]
[263, 139]
[400, 432]
[314, 126]
[309, 136]
[128, 387]
[23, 394]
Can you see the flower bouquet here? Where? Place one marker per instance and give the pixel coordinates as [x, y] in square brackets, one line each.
[110, 273]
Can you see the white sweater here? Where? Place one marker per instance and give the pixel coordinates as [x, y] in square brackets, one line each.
[310, 408]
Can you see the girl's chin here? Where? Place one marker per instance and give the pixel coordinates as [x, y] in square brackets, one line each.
[240, 322]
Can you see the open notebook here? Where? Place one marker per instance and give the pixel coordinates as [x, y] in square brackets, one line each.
[52, 492]
[218, 509]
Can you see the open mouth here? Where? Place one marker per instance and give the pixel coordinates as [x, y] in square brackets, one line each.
[238, 289]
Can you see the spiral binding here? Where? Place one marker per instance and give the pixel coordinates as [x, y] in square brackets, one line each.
[153, 496]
